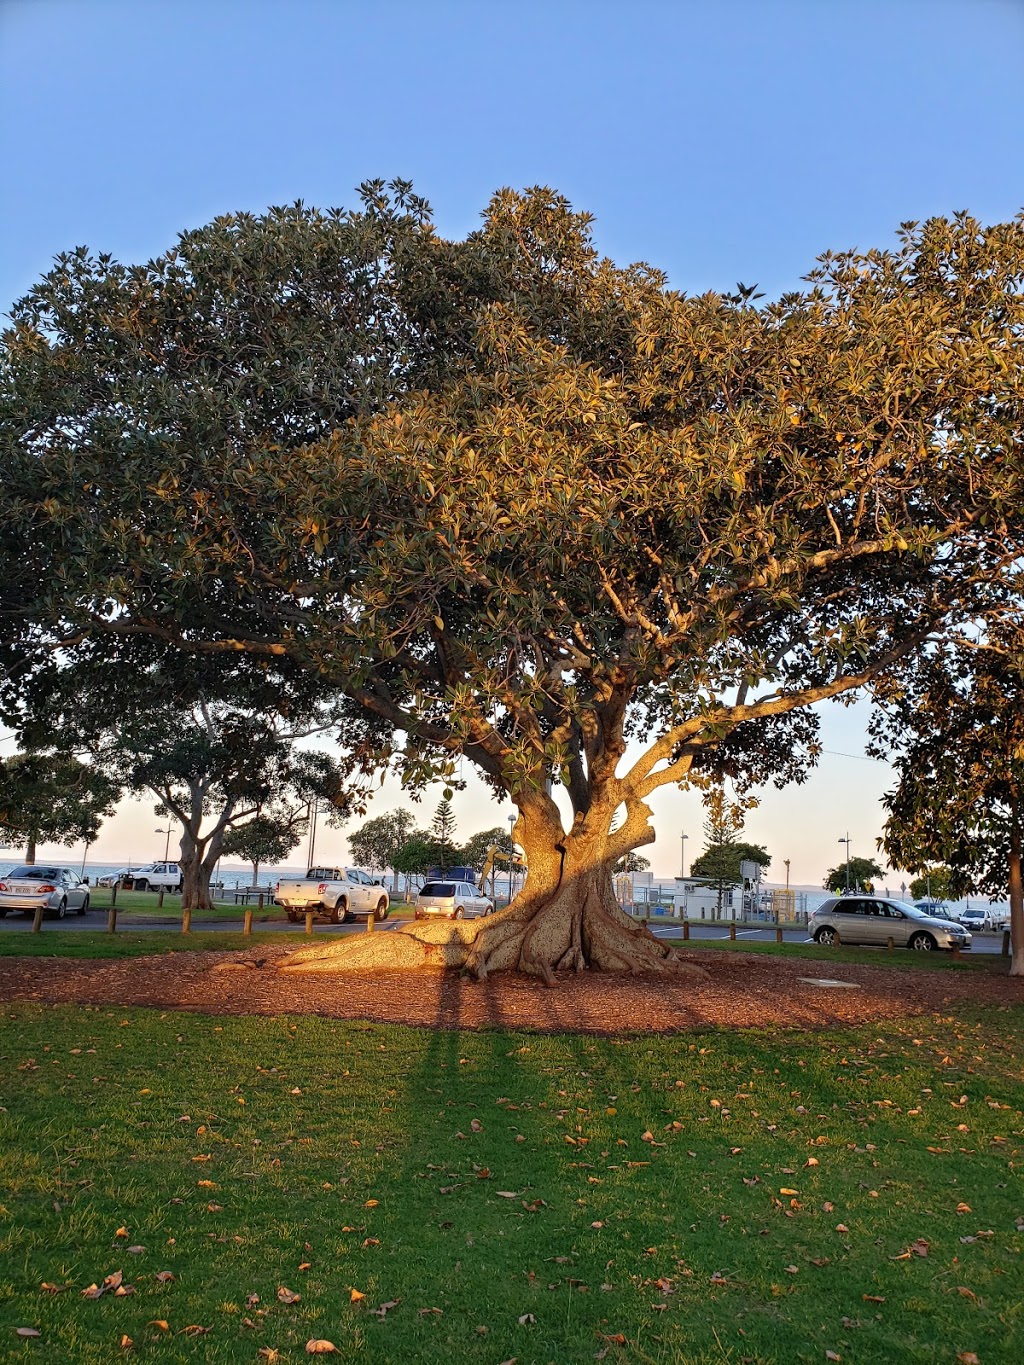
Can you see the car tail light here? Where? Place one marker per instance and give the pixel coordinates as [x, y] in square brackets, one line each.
[4, 886]
[47, 887]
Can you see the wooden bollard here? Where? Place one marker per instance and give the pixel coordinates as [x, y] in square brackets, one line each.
[160, 898]
[732, 931]
[113, 893]
[112, 920]
[247, 921]
[186, 921]
[369, 922]
[1006, 943]
[890, 944]
[686, 929]
[309, 921]
[37, 919]
[778, 933]
[259, 901]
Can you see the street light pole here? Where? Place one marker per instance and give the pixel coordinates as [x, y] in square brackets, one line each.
[167, 841]
[682, 865]
[846, 841]
[787, 873]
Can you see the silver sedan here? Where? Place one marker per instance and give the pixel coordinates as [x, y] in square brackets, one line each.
[56, 889]
[865, 919]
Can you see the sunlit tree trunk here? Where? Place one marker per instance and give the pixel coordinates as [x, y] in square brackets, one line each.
[1016, 898]
[30, 850]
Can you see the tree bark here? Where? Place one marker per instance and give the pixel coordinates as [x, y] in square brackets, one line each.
[1016, 899]
[30, 850]
[565, 918]
[198, 861]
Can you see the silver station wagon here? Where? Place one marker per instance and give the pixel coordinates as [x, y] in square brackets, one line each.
[866, 919]
[452, 900]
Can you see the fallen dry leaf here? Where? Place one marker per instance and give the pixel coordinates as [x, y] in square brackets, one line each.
[26, 1331]
[429, 1312]
[47, 1288]
[126, 1342]
[355, 1296]
[967, 1358]
[194, 1329]
[526, 1319]
[385, 1308]
[286, 1295]
[136, 1251]
[270, 1353]
[161, 1324]
[873, 1298]
[319, 1346]
[165, 1276]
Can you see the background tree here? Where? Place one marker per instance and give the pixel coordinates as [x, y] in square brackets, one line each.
[856, 875]
[692, 519]
[442, 829]
[264, 839]
[953, 728]
[376, 843]
[52, 798]
[933, 883]
[474, 851]
[215, 742]
[633, 862]
[719, 864]
[415, 858]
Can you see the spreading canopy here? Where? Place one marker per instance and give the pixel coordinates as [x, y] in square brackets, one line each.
[514, 501]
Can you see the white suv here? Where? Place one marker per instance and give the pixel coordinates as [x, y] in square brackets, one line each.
[152, 877]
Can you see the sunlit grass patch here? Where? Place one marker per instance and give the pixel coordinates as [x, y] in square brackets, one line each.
[703, 1198]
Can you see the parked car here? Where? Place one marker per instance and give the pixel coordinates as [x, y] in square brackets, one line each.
[452, 900]
[974, 919]
[56, 889]
[872, 920]
[150, 877]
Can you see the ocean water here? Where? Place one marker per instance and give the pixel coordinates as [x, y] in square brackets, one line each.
[232, 874]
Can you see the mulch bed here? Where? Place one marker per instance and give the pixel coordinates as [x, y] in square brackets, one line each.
[741, 991]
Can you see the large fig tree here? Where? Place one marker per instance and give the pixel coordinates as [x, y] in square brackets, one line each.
[517, 503]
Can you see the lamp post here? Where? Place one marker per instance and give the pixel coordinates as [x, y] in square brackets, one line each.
[786, 863]
[167, 841]
[682, 864]
[846, 841]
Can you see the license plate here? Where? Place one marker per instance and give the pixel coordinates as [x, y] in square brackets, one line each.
[25, 889]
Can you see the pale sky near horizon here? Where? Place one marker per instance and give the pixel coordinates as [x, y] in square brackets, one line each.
[719, 141]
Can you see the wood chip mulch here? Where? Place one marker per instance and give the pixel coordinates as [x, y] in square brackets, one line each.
[741, 991]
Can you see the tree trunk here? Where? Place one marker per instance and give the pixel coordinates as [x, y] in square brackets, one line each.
[30, 850]
[198, 860]
[565, 918]
[1016, 900]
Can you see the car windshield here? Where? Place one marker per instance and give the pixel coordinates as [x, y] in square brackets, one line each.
[438, 889]
[35, 874]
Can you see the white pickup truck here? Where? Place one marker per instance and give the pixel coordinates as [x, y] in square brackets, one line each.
[340, 893]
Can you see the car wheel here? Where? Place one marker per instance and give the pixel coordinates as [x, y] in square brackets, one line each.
[417, 914]
[293, 915]
[488, 910]
[61, 908]
[922, 943]
[458, 912]
[142, 885]
[3, 912]
[84, 906]
[340, 913]
[826, 937]
[381, 911]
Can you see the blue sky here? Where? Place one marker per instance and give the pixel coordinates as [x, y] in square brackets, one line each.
[721, 141]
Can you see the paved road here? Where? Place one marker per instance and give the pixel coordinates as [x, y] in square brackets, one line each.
[97, 919]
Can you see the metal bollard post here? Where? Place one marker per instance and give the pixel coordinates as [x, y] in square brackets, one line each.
[160, 898]
[732, 931]
[686, 929]
[1006, 943]
[309, 921]
[247, 921]
[186, 921]
[112, 920]
[37, 919]
[778, 933]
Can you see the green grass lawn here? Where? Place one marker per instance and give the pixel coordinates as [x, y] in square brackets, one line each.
[710, 1198]
[148, 903]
